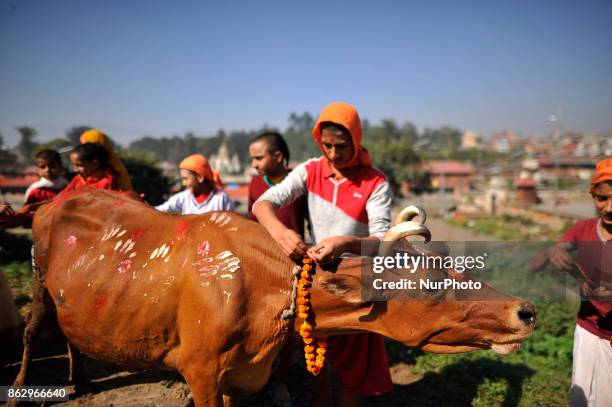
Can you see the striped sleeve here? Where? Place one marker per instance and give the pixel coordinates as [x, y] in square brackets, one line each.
[378, 208]
[291, 188]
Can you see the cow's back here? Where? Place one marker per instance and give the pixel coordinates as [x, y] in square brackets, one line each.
[139, 287]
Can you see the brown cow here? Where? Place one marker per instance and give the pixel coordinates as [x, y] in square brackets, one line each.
[205, 295]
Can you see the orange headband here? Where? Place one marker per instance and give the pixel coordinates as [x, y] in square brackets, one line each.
[346, 115]
[603, 172]
[199, 164]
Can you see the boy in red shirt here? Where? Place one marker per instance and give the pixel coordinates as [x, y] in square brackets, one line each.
[592, 357]
[270, 157]
[51, 182]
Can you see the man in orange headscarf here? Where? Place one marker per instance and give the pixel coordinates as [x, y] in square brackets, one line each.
[349, 204]
[592, 364]
[203, 189]
[96, 136]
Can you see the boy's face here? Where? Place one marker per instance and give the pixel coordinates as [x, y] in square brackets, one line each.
[189, 179]
[261, 159]
[337, 147]
[48, 169]
[602, 195]
[83, 168]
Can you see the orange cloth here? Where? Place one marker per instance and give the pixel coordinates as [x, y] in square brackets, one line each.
[346, 115]
[200, 165]
[98, 137]
[603, 172]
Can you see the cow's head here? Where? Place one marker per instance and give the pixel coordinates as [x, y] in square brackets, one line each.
[436, 319]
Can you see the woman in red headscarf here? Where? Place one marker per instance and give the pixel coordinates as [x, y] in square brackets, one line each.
[203, 189]
[349, 204]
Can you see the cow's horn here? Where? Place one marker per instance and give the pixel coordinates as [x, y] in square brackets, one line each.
[404, 229]
[410, 212]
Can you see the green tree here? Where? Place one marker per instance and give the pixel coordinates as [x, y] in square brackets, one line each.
[146, 178]
[445, 138]
[397, 160]
[26, 145]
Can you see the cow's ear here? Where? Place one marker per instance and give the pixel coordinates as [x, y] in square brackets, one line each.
[346, 287]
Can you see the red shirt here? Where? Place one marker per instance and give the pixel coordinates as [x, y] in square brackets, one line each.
[41, 194]
[103, 179]
[292, 215]
[596, 261]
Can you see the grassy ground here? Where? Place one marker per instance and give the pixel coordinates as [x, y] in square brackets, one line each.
[538, 375]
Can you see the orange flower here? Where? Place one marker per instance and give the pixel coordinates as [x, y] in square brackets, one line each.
[314, 363]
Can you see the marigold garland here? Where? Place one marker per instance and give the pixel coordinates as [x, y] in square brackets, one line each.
[314, 355]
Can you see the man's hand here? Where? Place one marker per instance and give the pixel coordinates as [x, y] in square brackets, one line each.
[559, 256]
[290, 242]
[329, 249]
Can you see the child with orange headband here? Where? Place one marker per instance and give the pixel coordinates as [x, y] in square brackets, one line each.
[203, 189]
[349, 203]
[592, 355]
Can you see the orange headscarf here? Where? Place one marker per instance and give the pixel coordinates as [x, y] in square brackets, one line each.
[199, 164]
[96, 136]
[603, 172]
[346, 115]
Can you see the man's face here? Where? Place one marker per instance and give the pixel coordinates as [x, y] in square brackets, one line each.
[602, 196]
[48, 169]
[338, 148]
[261, 159]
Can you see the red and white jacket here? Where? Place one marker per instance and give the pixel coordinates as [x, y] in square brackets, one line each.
[359, 205]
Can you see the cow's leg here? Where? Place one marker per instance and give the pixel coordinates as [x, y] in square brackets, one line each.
[32, 329]
[205, 390]
[77, 373]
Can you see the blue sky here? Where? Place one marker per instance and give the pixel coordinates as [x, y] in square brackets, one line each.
[160, 68]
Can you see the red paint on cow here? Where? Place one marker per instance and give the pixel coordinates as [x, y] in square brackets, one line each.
[66, 320]
[100, 302]
[137, 234]
[181, 230]
[124, 266]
